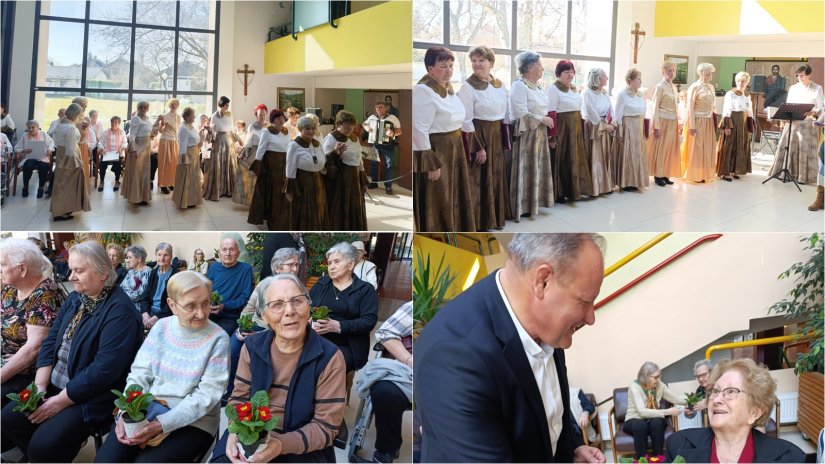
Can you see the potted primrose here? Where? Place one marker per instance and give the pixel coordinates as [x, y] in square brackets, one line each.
[133, 403]
[27, 399]
[251, 421]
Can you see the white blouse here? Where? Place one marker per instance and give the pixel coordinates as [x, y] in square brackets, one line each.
[23, 140]
[188, 137]
[139, 128]
[271, 142]
[67, 135]
[811, 93]
[629, 105]
[253, 134]
[172, 124]
[222, 124]
[292, 131]
[489, 104]
[528, 101]
[563, 102]
[595, 105]
[433, 115]
[735, 102]
[352, 153]
[310, 159]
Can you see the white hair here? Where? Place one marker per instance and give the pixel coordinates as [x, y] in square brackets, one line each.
[23, 252]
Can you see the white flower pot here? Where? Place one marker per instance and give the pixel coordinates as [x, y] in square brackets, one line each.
[132, 428]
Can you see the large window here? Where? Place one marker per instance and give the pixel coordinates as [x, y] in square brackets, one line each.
[117, 53]
[579, 30]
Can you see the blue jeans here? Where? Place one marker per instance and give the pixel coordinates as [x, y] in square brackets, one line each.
[386, 152]
[235, 346]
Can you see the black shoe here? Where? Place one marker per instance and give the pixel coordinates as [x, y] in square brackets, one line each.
[39, 193]
[373, 185]
[378, 456]
[100, 189]
[629, 189]
[702, 181]
[667, 180]
[65, 217]
[660, 181]
[726, 178]
[735, 176]
[164, 190]
[143, 203]
[171, 188]
[561, 200]
[116, 187]
[25, 192]
[342, 437]
[389, 190]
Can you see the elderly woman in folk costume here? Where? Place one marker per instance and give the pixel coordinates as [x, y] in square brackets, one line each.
[85, 156]
[222, 164]
[485, 110]
[268, 201]
[734, 148]
[571, 164]
[168, 149]
[71, 186]
[631, 159]
[136, 181]
[601, 127]
[345, 194]
[663, 147]
[442, 184]
[293, 115]
[698, 149]
[244, 177]
[531, 177]
[305, 159]
[188, 175]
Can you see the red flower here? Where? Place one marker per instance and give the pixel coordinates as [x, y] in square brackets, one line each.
[24, 395]
[264, 414]
[133, 395]
[244, 411]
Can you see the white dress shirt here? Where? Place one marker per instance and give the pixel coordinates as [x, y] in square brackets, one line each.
[811, 93]
[108, 143]
[188, 137]
[563, 102]
[225, 123]
[629, 105]
[91, 138]
[528, 100]
[489, 104]
[352, 153]
[735, 102]
[310, 159]
[97, 126]
[139, 128]
[253, 134]
[365, 270]
[595, 105]
[433, 115]
[271, 142]
[41, 136]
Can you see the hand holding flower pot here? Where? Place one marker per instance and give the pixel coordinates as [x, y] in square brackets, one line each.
[133, 403]
[691, 399]
[251, 422]
[27, 400]
[320, 313]
[245, 324]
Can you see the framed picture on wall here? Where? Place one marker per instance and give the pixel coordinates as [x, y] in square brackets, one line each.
[773, 78]
[681, 62]
[371, 97]
[291, 96]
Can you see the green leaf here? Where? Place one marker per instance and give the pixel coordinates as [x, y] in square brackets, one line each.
[230, 412]
[271, 424]
[247, 438]
[260, 398]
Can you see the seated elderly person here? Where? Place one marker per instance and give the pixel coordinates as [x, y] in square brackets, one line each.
[136, 281]
[303, 374]
[285, 260]
[30, 302]
[232, 280]
[154, 304]
[86, 354]
[183, 362]
[644, 418]
[365, 270]
[741, 396]
[116, 253]
[352, 303]
[701, 371]
[41, 162]
[388, 380]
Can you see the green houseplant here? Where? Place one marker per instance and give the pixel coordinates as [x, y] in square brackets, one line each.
[804, 305]
[317, 246]
[28, 399]
[251, 421]
[429, 289]
[134, 403]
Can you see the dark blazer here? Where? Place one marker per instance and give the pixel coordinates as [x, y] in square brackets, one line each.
[121, 274]
[103, 348]
[694, 446]
[146, 300]
[362, 314]
[475, 390]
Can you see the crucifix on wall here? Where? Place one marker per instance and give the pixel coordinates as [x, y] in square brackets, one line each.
[636, 32]
[248, 75]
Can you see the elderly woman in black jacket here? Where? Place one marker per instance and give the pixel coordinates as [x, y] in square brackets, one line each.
[352, 303]
[86, 354]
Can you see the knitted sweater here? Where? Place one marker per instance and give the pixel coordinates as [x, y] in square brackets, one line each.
[234, 284]
[187, 368]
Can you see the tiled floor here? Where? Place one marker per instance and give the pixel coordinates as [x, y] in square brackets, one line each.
[110, 212]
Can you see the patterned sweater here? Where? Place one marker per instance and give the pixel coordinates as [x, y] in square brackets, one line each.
[188, 369]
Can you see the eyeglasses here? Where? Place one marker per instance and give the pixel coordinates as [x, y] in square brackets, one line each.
[278, 306]
[729, 393]
[192, 307]
[702, 375]
[291, 265]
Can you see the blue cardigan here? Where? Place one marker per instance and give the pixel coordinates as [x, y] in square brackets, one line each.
[101, 354]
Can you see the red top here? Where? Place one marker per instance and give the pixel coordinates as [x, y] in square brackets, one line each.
[747, 452]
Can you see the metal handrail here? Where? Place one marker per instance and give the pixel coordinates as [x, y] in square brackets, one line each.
[658, 267]
[757, 342]
[635, 253]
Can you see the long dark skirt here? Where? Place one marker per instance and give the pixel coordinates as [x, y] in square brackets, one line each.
[571, 162]
[268, 202]
[346, 209]
[487, 181]
[309, 203]
[733, 152]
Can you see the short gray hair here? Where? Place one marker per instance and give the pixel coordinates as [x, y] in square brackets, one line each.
[275, 278]
[137, 251]
[704, 67]
[96, 255]
[349, 252]
[742, 76]
[23, 252]
[237, 243]
[594, 78]
[164, 246]
[703, 362]
[82, 101]
[183, 282]
[559, 250]
[281, 256]
[73, 112]
[647, 369]
[525, 59]
[305, 122]
[32, 122]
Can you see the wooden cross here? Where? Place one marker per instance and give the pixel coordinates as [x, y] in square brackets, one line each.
[246, 72]
[636, 32]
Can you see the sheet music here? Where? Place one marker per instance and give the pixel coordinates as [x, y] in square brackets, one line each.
[38, 149]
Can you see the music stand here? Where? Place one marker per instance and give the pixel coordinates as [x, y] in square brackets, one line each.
[789, 112]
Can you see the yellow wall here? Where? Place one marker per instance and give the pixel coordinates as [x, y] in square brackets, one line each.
[700, 18]
[470, 267]
[376, 36]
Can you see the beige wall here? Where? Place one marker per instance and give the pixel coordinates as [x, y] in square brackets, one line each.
[183, 243]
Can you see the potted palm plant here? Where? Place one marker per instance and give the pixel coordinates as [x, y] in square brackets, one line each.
[429, 289]
[804, 305]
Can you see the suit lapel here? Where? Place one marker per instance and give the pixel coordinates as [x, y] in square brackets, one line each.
[762, 449]
[700, 440]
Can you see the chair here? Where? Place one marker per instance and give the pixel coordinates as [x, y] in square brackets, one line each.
[771, 427]
[595, 423]
[621, 442]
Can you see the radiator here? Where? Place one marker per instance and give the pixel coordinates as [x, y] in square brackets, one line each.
[789, 407]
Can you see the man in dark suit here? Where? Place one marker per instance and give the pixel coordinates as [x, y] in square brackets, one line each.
[490, 377]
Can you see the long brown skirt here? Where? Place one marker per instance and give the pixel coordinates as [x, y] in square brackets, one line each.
[85, 161]
[631, 154]
[136, 175]
[602, 164]
[531, 176]
[268, 202]
[733, 152]
[309, 204]
[220, 169]
[663, 155]
[803, 154]
[699, 151]
[188, 179]
[444, 205]
[168, 154]
[571, 161]
[244, 178]
[70, 192]
[347, 209]
[487, 181]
